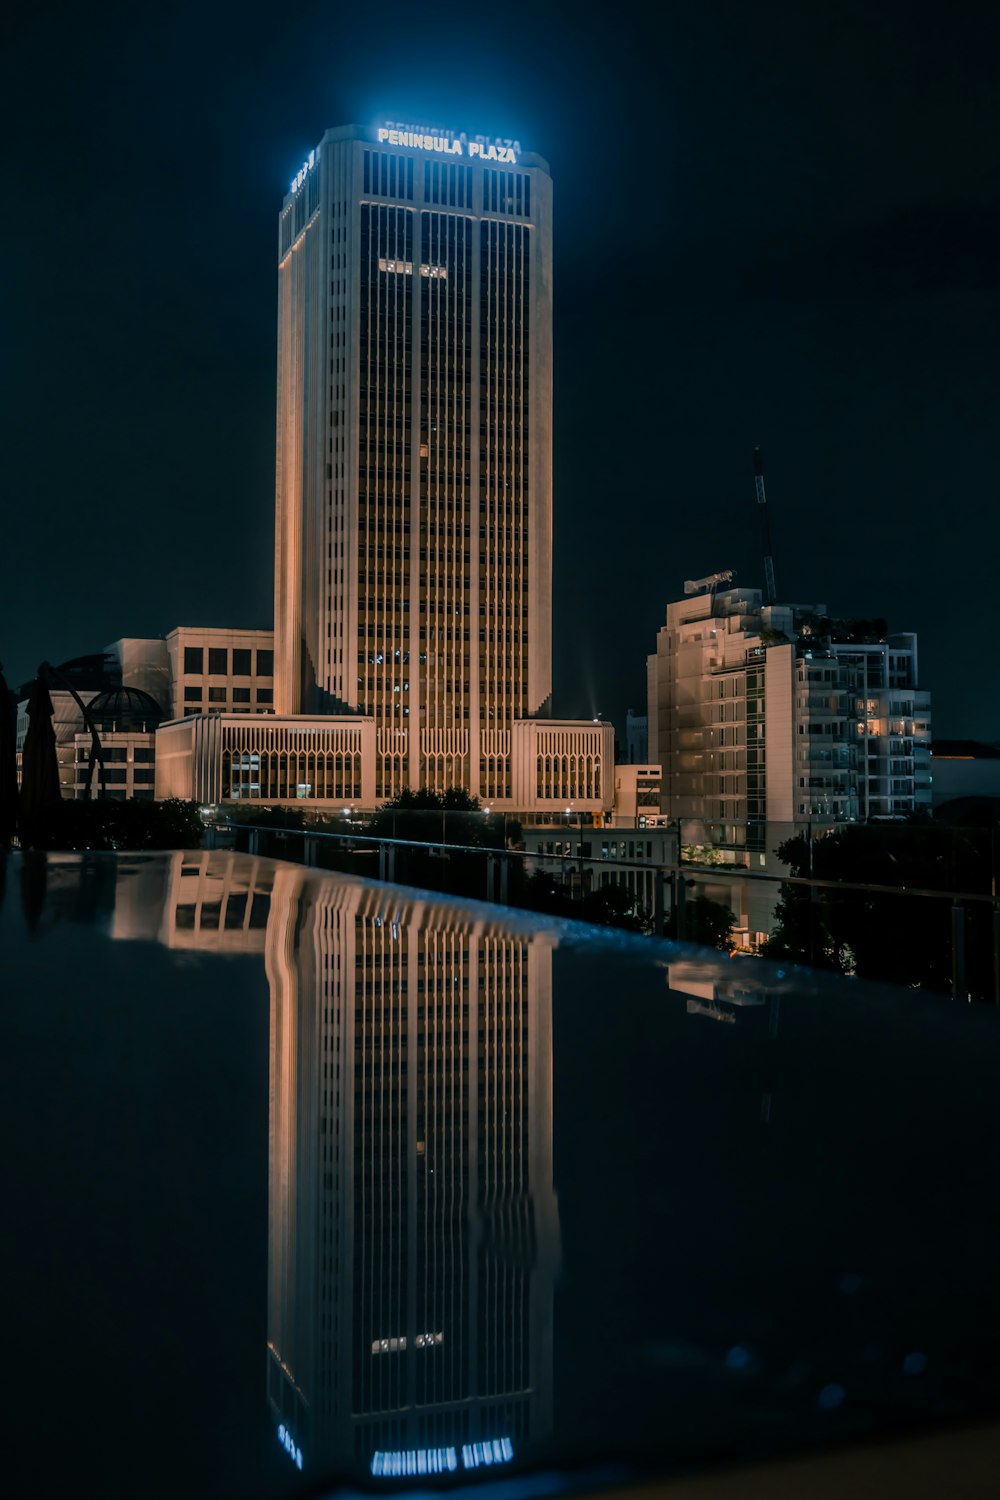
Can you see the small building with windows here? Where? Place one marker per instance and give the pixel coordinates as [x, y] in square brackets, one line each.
[201, 669]
[637, 798]
[586, 857]
[213, 671]
[126, 720]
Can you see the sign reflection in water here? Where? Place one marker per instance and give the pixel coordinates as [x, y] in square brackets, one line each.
[413, 1223]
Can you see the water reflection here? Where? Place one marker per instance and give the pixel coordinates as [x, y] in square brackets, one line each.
[719, 995]
[773, 1233]
[413, 1225]
[413, 1228]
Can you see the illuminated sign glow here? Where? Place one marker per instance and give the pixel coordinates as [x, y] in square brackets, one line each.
[494, 1451]
[426, 138]
[438, 1460]
[290, 1446]
[415, 1461]
[447, 143]
[303, 172]
[422, 1340]
[405, 268]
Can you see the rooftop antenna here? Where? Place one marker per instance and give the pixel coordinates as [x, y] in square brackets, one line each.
[770, 592]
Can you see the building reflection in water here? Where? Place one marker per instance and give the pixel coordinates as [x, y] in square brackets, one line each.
[413, 1225]
[413, 1231]
[722, 996]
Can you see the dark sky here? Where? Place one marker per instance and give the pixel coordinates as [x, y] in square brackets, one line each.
[776, 224]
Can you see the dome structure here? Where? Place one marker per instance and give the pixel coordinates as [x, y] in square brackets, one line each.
[124, 709]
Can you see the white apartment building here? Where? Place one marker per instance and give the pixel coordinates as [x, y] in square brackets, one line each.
[765, 717]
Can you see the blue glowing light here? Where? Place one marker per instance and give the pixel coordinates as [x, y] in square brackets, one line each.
[493, 1451]
[290, 1446]
[441, 1460]
[414, 1461]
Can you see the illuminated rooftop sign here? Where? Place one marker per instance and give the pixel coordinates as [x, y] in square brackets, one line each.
[448, 142]
[429, 138]
[303, 171]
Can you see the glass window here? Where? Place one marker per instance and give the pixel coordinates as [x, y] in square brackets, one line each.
[192, 695]
[241, 662]
[241, 695]
[265, 695]
[143, 757]
[194, 659]
[143, 774]
[218, 660]
[265, 663]
[217, 695]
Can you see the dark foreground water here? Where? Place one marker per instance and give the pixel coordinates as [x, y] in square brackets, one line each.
[311, 1181]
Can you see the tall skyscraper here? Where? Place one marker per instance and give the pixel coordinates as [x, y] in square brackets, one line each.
[413, 552]
[413, 496]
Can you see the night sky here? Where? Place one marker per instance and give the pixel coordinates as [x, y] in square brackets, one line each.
[775, 224]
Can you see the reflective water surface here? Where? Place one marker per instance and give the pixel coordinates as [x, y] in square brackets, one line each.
[313, 1181]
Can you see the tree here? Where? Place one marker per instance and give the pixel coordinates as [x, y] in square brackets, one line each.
[894, 935]
[449, 817]
[447, 821]
[615, 906]
[132, 824]
[706, 922]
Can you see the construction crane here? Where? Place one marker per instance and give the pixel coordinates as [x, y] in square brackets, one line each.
[770, 592]
[707, 585]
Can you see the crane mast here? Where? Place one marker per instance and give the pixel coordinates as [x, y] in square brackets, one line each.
[770, 593]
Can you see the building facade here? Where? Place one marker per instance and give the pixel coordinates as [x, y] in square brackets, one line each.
[201, 669]
[413, 548]
[126, 720]
[765, 717]
[636, 738]
[222, 758]
[220, 671]
[187, 672]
